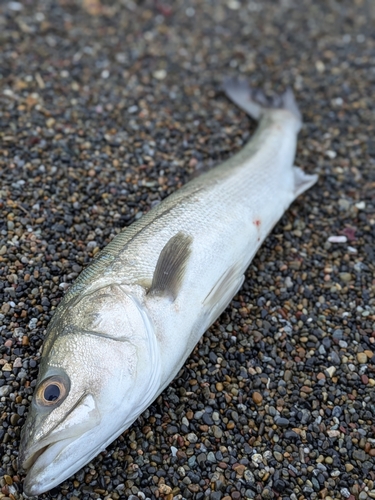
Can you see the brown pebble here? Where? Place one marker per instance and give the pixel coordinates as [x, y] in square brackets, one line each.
[8, 479]
[194, 488]
[181, 455]
[14, 419]
[25, 340]
[5, 308]
[222, 465]
[17, 363]
[287, 375]
[164, 489]
[239, 468]
[362, 358]
[257, 398]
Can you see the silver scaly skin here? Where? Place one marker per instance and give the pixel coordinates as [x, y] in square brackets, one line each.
[126, 326]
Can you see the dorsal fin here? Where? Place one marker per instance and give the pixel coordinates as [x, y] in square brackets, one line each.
[170, 268]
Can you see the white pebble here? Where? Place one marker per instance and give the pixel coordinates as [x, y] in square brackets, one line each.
[352, 250]
[337, 239]
[331, 154]
[233, 4]
[159, 74]
[320, 66]
[361, 205]
[15, 6]
[173, 451]
[331, 370]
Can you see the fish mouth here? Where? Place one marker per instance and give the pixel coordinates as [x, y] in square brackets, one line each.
[30, 461]
[53, 449]
[37, 461]
[48, 461]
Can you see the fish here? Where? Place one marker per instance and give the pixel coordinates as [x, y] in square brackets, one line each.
[126, 326]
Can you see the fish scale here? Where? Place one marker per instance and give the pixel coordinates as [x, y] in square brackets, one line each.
[126, 326]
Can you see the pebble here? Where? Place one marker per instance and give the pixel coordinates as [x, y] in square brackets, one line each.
[362, 357]
[282, 422]
[337, 239]
[359, 455]
[5, 390]
[257, 398]
[192, 438]
[217, 431]
[345, 492]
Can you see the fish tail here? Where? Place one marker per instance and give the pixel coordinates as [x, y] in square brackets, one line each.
[255, 103]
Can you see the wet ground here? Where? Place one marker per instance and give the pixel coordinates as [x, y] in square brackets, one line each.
[108, 107]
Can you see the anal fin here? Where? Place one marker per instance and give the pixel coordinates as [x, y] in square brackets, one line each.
[170, 267]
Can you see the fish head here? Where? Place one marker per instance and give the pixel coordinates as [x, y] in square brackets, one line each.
[97, 375]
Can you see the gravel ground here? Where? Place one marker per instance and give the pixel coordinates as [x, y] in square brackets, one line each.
[106, 108]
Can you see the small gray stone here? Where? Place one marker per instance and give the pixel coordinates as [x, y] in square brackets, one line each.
[5, 390]
[192, 438]
[360, 455]
[282, 422]
[218, 433]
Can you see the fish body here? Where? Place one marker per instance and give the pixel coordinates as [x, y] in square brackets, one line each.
[125, 327]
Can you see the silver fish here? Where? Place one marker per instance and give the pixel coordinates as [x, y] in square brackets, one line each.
[126, 326]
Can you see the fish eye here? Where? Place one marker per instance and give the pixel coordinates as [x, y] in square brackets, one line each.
[52, 391]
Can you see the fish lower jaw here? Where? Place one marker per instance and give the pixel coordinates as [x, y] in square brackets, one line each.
[29, 462]
[38, 467]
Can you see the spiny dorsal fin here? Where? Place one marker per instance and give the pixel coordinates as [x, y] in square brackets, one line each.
[170, 268]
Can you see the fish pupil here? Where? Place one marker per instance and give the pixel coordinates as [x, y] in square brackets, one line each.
[52, 392]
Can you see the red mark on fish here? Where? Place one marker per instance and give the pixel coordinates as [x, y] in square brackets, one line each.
[257, 223]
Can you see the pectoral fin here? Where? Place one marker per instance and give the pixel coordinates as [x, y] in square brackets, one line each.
[170, 268]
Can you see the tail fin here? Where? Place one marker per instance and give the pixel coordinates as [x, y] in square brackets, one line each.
[255, 103]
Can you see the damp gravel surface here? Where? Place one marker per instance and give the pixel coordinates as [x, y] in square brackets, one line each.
[106, 107]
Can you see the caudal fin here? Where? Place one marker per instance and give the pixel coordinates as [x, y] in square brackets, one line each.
[255, 103]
